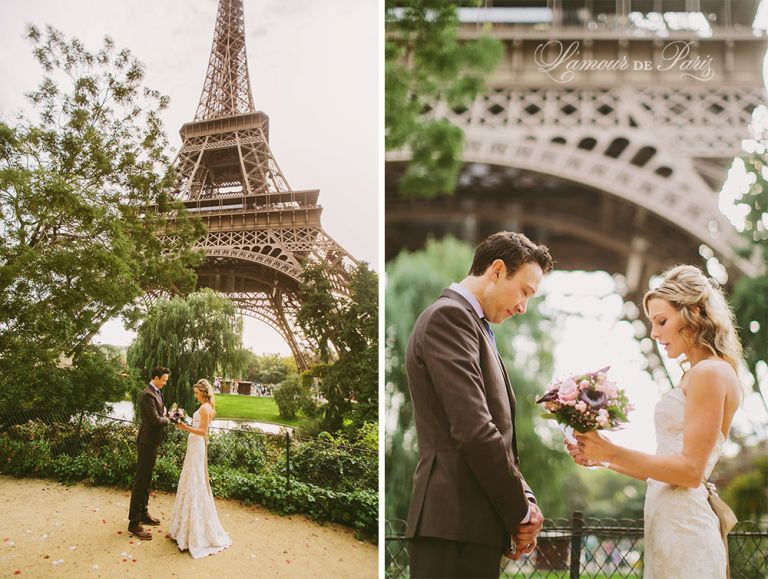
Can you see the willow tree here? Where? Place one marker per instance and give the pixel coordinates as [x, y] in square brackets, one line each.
[198, 336]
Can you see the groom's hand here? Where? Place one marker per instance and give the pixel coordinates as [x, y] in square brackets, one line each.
[527, 534]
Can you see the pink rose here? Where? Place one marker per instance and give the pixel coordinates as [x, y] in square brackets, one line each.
[610, 389]
[568, 391]
[603, 417]
[581, 406]
[584, 384]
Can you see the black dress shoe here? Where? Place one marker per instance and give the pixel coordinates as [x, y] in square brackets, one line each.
[148, 519]
[139, 532]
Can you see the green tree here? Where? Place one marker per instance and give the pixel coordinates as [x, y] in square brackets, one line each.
[269, 368]
[748, 491]
[294, 394]
[344, 329]
[75, 246]
[426, 64]
[750, 295]
[195, 337]
[415, 280]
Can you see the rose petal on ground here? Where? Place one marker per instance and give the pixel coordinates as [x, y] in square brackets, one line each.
[58, 562]
[134, 560]
[94, 567]
[17, 572]
[72, 547]
[119, 532]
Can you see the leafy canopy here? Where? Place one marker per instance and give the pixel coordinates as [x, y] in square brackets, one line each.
[427, 66]
[76, 178]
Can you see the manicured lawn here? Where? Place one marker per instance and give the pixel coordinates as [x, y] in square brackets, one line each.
[259, 408]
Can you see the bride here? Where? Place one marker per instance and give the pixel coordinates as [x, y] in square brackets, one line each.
[194, 522]
[689, 317]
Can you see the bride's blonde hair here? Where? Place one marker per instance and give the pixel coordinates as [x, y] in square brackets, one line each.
[703, 309]
[205, 388]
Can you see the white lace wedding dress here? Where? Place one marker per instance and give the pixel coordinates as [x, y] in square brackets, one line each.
[194, 523]
[682, 533]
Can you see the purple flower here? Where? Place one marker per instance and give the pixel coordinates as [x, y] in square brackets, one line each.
[594, 398]
[548, 397]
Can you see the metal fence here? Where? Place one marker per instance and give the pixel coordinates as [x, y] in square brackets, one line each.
[594, 548]
[320, 461]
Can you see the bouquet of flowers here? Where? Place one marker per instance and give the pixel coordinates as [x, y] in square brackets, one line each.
[586, 402]
[176, 414]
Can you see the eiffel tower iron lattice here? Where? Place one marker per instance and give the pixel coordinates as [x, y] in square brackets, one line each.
[260, 231]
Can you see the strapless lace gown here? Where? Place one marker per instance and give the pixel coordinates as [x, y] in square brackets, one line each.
[194, 523]
[682, 533]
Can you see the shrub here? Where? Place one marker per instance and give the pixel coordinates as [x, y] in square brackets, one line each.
[336, 464]
[241, 450]
[294, 394]
[331, 478]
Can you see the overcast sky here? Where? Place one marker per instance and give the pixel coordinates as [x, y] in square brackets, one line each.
[313, 67]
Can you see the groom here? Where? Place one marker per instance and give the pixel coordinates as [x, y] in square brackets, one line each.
[153, 420]
[469, 499]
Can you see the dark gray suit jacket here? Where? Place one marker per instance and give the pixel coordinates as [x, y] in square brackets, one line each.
[467, 486]
[153, 418]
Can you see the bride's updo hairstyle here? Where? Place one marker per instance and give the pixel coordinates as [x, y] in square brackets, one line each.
[703, 310]
[205, 388]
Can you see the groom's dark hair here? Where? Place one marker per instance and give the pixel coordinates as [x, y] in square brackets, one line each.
[159, 371]
[514, 249]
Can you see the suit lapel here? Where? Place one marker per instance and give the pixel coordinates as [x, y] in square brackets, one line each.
[449, 293]
[157, 398]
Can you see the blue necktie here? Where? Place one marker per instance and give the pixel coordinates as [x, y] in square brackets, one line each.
[160, 392]
[490, 335]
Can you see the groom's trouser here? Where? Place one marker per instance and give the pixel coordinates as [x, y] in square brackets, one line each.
[430, 558]
[140, 491]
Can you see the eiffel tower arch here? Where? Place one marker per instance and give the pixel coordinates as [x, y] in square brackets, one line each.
[261, 232]
[617, 170]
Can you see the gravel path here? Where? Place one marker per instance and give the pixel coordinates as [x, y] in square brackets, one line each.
[51, 530]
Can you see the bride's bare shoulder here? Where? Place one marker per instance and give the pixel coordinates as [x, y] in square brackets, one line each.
[714, 374]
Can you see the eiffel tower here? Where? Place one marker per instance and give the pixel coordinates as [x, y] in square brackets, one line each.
[260, 231]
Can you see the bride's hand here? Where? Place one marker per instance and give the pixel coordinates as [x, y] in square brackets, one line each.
[180, 425]
[576, 454]
[594, 447]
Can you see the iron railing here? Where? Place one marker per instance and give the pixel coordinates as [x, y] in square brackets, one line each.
[594, 548]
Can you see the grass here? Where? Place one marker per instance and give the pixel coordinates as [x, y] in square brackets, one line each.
[258, 408]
